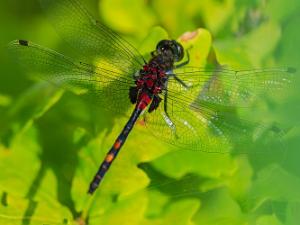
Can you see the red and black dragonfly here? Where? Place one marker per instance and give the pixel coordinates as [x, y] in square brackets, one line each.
[183, 105]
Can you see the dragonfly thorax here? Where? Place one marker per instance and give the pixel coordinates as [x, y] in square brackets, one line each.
[149, 84]
[152, 78]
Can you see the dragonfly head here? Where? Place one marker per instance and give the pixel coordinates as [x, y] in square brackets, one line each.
[170, 48]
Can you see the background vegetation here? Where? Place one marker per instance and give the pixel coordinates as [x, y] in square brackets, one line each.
[52, 141]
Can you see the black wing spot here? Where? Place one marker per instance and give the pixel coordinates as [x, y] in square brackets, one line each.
[23, 42]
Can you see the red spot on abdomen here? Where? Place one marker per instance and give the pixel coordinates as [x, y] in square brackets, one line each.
[144, 101]
[109, 158]
[117, 144]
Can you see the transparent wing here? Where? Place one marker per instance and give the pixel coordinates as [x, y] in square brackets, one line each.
[180, 127]
[104, 86]
[208, 128]
[229, 87]
[203, 117]
[91, 38]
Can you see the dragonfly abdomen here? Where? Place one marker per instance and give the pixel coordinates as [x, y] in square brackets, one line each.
[144, 101]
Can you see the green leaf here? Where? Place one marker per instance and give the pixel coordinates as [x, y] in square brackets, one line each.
[31, 105]
[268, 220]
[22, 167]
[241, 180]
[187, 209]
[26, 178]
[258, 47]
[155, 35]
[128, 211]
[252, 49]
[168, 15]
[178, 163]
[216, 13]
[198, 43]
[273, 184]
[124, 178]
[280, 11]
[218, 207]
[293, 215]
[128, 20]
[4, 100]
[16, 211]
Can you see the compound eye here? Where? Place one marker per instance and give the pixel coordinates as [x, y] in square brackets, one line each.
[162, 45]
[178, 51]
[173, 46]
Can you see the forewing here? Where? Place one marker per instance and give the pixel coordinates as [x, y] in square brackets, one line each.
[230, 87]
[104, 86]
[181, 127]
[204, 116]
[91, 38]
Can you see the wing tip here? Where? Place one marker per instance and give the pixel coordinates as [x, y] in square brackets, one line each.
[23, 42]
[19, 42]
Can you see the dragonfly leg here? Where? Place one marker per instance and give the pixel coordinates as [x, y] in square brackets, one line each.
[166, 103]
[166, 115]
[179, 80]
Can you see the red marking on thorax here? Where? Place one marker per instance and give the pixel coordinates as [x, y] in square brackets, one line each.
[152, 78]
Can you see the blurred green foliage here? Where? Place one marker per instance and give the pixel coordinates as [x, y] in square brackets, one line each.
[52, 142]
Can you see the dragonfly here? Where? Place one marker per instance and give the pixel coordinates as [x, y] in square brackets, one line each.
[187, 106]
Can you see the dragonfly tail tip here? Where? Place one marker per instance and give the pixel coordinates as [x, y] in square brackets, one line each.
[90, 192]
